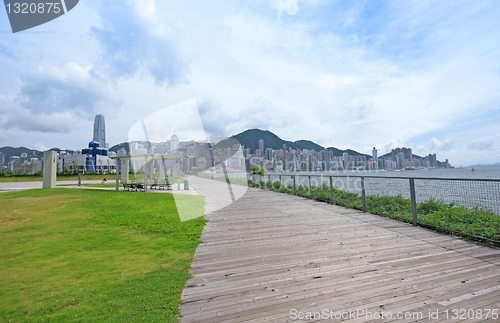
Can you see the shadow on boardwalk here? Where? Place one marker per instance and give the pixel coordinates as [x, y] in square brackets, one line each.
[271, 257]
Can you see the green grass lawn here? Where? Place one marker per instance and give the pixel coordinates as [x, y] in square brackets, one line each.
[93, 256]
[92, 185]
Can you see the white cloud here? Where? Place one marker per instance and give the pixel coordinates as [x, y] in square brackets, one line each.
[145, 8]
[291, 7]
[450, 143]
[348, 74]
[54, 99]
[463, 152]
[490, 143]
[41, 147]
[142, 41]
[71, 87]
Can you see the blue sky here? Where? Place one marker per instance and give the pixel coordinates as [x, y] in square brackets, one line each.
[348, 74]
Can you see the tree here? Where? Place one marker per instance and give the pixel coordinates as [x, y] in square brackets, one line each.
[256, 171]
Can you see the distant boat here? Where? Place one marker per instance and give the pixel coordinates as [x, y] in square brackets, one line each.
[472, 168]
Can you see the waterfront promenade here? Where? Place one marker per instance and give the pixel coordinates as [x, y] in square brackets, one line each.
[272, 257]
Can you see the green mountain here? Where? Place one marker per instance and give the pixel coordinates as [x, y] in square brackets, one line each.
[18, 151]
[115, 148]
[250, 139]
[31, 153]
[495, 165]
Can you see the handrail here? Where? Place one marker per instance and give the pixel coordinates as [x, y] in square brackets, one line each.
[396, 177]
[411, 182]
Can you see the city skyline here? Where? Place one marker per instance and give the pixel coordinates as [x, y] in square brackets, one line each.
[171, 145]
[349, 74]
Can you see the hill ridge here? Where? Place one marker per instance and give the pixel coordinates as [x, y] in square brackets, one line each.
[250, 139]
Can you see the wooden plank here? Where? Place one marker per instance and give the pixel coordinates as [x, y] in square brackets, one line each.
[269, 253]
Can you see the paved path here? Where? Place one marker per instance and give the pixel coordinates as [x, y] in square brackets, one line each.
[268, 255]
[19, 186]
[217, 193]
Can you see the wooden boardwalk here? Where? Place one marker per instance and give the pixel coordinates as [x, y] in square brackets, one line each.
[272, 257]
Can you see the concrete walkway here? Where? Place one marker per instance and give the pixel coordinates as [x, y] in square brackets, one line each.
[19, 186]
[272, 257]
[217, 194]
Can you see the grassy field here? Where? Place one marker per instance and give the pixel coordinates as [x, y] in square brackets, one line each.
[93, 256]
[446, 217]
[92, 185]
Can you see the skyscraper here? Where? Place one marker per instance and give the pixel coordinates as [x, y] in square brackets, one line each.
[374, 155]
[269, 153]
[261, 147]
[174, 144]
[100, 131]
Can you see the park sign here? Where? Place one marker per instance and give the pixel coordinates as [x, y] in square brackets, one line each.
[26, 14]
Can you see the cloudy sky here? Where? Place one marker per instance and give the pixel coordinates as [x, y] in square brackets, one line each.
[349, 74]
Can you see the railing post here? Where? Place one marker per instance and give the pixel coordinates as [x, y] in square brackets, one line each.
[331, 191]
[260, 181]
[117, 163]
[363, 193]
[281, 185]
[413, 201]
[294, 192]
[269, 182]
[309, 186]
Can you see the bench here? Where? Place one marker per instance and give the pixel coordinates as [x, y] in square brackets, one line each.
[133, 187]
[161, 185]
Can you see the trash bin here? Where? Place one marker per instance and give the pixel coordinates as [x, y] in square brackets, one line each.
[186, 184]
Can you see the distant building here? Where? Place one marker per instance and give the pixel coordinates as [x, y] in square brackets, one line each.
[100, 131]
[269, 153]
[375, 158]
[12, 161]
[190, 150]
[27, 167]
[432, 160]
[261, 147]
[174, 145]
[121, 152]
[2, 159]
[325, 160]
[446, 164]
[345, 158]
[209, 157]
[202, 163]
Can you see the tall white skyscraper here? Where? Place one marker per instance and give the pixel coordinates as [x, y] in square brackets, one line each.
[174, 144]
[100, 131]
[261, 147]
[374, 155]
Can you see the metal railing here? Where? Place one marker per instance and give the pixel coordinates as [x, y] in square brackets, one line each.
[460, 205]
